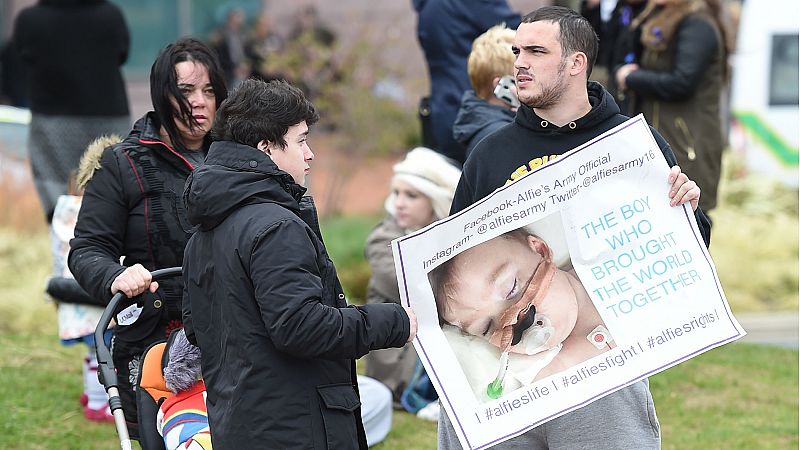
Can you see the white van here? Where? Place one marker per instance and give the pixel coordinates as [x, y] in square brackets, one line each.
[766, 82]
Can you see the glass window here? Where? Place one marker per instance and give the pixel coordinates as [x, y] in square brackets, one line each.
[784, 70]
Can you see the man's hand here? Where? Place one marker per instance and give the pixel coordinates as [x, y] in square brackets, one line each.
[682, 189]
[412, 319]
[133, 281]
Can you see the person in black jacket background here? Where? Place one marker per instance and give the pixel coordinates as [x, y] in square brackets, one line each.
[73, 51]
[132, 206]
[446, 29]
[263, 301]
[619, 45]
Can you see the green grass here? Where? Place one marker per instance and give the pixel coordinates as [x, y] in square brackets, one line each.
[740, 396]
[344, 239]
[24, 266]
[40, 382]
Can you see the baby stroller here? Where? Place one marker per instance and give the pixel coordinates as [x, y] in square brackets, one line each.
[151, 388]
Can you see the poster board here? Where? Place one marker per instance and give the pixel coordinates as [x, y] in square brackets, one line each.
[633, 292]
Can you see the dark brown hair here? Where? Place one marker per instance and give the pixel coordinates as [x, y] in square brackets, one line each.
[575, 32]
[164, 84]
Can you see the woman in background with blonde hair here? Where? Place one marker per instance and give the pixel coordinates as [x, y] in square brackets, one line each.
[421, 192]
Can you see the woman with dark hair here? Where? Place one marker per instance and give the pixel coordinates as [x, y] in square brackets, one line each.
[132, 219]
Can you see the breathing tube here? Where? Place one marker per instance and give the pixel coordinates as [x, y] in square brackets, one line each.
[518, 318]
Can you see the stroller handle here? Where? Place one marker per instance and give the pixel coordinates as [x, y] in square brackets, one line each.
[105, 364]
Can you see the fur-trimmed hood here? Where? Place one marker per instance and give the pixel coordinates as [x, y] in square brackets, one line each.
[183, 367]
[90, 161]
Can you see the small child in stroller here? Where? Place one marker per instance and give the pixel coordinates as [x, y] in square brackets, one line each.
[183, 418]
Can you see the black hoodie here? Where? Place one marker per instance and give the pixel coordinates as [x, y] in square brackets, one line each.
[530, 141]
[268, 313]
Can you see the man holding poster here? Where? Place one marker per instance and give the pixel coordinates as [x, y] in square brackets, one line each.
[561, 110]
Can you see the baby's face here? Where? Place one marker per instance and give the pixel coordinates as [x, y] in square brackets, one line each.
[492, 277]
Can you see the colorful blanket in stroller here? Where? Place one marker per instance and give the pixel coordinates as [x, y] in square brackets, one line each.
[183, 420]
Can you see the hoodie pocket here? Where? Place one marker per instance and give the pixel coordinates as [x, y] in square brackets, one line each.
[339, 404]
[649, 407]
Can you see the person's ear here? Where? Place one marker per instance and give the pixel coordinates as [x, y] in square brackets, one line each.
[265, 147]
[540, 247]
[578, 63]
[495, 80]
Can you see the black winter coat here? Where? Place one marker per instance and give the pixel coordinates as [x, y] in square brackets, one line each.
[266, 308]
[132, 207]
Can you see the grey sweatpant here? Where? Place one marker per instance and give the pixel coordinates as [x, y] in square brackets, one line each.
[624, 420]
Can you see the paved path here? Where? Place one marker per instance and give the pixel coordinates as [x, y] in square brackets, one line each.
[779, 328]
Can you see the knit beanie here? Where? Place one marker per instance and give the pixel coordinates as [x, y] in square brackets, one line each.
[430, 173]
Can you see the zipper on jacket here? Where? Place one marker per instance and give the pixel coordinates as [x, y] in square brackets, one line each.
[681, 124]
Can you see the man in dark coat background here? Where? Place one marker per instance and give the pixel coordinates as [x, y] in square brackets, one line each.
[446, 29]
[263, 300]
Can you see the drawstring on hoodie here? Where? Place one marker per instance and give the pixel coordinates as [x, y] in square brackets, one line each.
[571, 125]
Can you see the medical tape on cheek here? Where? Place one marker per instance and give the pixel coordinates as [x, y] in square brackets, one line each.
[537, 288]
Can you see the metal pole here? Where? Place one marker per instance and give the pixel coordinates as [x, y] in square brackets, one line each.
[105, 363]
[119, 422]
